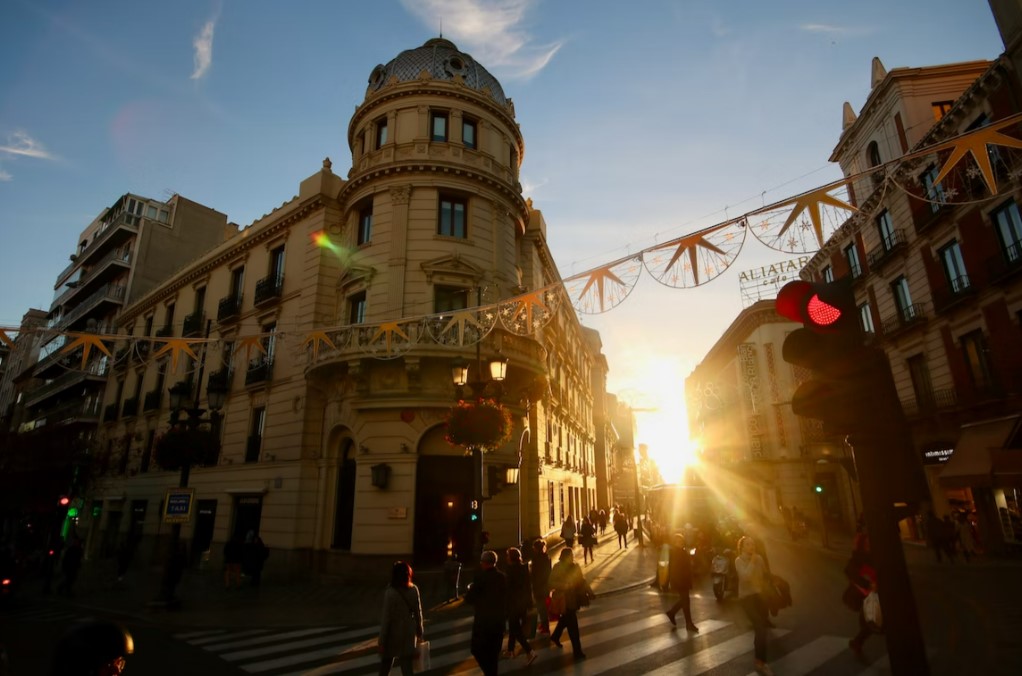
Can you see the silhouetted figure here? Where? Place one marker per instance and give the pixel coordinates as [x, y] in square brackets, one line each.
[488, 594]
[680, 575]
[401, 621]
[70, 567]
[92, 648]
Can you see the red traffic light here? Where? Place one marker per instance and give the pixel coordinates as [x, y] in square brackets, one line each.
[821, 312]
[824, 308]
[64, 501]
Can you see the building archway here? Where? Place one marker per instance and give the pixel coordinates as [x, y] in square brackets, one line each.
[443, 494]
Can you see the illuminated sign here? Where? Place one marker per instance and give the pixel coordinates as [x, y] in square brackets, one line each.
[936, 456]
[177, 505]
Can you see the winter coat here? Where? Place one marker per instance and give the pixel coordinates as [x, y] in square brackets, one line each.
[567, 579]
[488, 593]
[519, 589]
[587, 534]
[680, 569]
[540, 573]
[401, 622]
[568, 529]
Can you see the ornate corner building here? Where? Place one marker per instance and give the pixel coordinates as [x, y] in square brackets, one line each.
[333, 322]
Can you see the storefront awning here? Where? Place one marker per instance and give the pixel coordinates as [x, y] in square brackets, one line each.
[972, 463]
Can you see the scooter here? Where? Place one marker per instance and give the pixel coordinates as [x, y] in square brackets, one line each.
[725, 581]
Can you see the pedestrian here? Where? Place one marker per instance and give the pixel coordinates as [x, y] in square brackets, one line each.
[519, 602]
[253, 558]
[603, 522]
[680, 576]
[587, 538]
[401, 621]
[539, 571]
[752, 574]
[965, 537]
[568, 531]
[567, 580]
[621, 527]
[92, 648]
[70, 567]
[949, 537]
[933, 532]
[234, 552]
[862, 576]
[488, 593]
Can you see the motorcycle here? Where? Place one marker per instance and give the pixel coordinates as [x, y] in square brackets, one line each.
[724, 575]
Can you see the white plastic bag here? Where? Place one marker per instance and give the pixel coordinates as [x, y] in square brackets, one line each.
[871, 610]
[421, 661]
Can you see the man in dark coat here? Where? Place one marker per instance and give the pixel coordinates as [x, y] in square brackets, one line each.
[519, 602]
[680, 574]
[488, 594]
[540, 574]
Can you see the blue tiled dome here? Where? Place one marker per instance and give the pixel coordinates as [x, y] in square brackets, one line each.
[442, 60]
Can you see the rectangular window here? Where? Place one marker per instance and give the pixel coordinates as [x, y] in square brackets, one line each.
[164, 216]
[933, 192]
[903, 299]
[381, 132]
[449, 298]
[468, 132]
[977, 360]
[866, 319]
[169, 320]
[200, 299]
[552, 522]
[150, 213]
[1009, 230]
[237, 281]
[941, 108]
[920, 374]
[828, 274]
[954, 267]
[852, 256]
[255, 436]
[438, 126]
[357, 308]
[269, 341]
[277, 264]
[148, 326]
[885, 227]
[452, 216]
[147, 454]
[365, 225]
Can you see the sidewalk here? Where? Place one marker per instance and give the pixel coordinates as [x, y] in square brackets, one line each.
[205, 602]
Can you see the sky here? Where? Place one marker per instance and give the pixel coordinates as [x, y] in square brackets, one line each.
[643, 121]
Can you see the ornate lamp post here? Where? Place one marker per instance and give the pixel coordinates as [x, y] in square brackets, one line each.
[478, 426]
[184, 444]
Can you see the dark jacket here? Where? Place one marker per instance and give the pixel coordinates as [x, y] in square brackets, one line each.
[540, 573]
[680, 569]
[567, 578]
[519, 589]
[488, 594]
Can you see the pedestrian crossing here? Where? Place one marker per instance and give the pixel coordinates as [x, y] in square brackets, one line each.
[615, 639]
[45, 613]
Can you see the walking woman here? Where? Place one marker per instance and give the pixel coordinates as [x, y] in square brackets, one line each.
[519, 601]
[401, 622]
[587, 538]
[566, 580]
[540, 573]
[568, 531]
[751, 580]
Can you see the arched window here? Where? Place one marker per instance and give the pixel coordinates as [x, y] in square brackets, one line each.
[873, 154]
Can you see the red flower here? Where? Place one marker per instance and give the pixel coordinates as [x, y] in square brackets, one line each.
[483, 424]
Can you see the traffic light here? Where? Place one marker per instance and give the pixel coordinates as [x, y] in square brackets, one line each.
[474, 512]
[64, 501]
[830, 344]
[818, 488]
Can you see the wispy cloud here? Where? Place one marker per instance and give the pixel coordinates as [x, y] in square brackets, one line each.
[822, 28]
[203, 44]
[4, 176]
[493, 31]
[21, 144]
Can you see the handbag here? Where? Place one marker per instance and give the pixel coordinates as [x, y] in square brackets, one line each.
[558, 602]
[421, 660]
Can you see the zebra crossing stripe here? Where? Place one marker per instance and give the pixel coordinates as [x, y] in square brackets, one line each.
[212, 642]
[263, 636]
[653, 644]
[199, 634]
[708, 658]
[810, 656]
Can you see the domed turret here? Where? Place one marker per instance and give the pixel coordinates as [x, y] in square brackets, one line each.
[443, 61]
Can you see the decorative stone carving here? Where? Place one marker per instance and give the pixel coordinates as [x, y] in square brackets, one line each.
[401, 194]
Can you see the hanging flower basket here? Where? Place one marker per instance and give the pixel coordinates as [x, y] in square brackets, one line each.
[182, 445]
[483, 424]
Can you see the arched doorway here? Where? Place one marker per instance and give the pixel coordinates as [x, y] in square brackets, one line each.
[344, 502]
[442, 500]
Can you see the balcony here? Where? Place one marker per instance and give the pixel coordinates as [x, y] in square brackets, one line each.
[229, 309]
[269, 289]
[130, 407]
[221, 379]
[165, 331]
[883, 254]
[931, 402]
[958, 290]
[107, 268]
[116, 231]
[110, 412]
[152, 400]
[253, 446]
[193, 324]
[108, 293]
[907, 318]
[1007, 265]
[258, 372]
[96, 371]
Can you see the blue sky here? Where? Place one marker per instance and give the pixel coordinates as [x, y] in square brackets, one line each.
[642, 121]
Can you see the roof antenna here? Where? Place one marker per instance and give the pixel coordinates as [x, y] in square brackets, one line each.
[441, 27]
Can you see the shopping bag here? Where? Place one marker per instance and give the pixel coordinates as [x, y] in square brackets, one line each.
[420, 662]
[871, 611]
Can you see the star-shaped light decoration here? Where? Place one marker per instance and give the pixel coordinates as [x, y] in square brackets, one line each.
[520, 314]
[317, 338]
[975, 143]
[86, 341]
[389, 331]
[810, 203]
[602, 289]
[175, 346]
[5, 339]
[250, 342]
[679, 262]
[462, 318]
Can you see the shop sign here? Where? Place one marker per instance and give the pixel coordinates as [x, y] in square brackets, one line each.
[937, 456]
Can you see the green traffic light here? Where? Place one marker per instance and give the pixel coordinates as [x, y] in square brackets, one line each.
[72, 512]
[819, 489]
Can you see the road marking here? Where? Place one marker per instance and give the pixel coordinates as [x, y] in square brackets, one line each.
[809, 656]
[711, 657]
[265, 636]
[211, 642]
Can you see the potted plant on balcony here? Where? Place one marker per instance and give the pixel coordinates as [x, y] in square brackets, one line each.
[483, 424]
